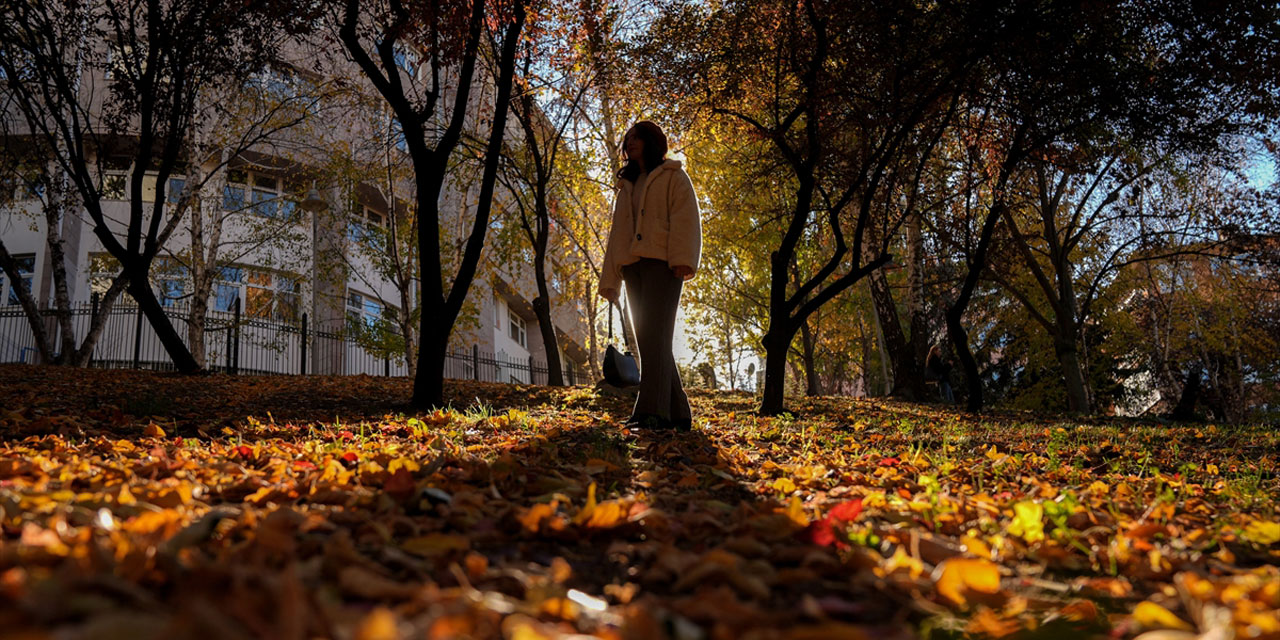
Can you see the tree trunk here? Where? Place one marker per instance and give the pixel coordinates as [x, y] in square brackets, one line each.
[919, 340]
[907, 381]
[84, 355]
[196, 327]
[960, 340]
[812, 387]
[29, 307]
[1069, 359]
[955, 313]
[776, 343]
[542, 309]
[428, 384]
[1186, 407]
[57, 258]
[140, 289]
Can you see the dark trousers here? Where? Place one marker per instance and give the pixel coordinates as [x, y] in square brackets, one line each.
[654, 293]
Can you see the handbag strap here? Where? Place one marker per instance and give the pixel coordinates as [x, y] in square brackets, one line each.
[610, 322]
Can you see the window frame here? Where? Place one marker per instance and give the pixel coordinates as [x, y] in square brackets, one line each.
[517, 328]
[254, 196]
[27, 278]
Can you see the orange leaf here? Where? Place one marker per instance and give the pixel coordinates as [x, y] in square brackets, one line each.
[1154, 616]
[380, 624]
[958, 576]
[153, 430]
[606, 515]
[532, 517]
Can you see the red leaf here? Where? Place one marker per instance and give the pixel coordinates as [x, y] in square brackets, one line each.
[303, 465]
[846, 511]
[821, 533]
[890, 462]
[244, 451]
[350, 456]
[400, 484]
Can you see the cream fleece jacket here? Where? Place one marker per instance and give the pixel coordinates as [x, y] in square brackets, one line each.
[667, 227]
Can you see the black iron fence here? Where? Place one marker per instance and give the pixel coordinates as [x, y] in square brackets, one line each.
[238, 344]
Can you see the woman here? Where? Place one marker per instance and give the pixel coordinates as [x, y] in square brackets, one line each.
[654, 246]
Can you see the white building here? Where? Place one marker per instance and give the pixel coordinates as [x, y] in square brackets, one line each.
[279, 260]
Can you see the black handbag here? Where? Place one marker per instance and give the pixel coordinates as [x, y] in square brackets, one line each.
[620, 369]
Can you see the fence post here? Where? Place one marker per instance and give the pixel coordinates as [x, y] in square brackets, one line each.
[137, 337]
[386, 366]
[475, 362]
[93, 313]
[304, 344]
[235, 329]
[532, 379]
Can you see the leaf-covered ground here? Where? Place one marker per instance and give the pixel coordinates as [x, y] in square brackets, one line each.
[139, 505]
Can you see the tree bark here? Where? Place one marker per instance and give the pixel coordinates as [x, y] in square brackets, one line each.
[140, 289]
[955, 312]
[907, 380]
[919, 339]
[776, 344]
[28, 303]
[812, 386]
[1072, 374]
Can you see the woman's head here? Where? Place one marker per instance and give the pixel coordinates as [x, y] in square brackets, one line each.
[643, 143]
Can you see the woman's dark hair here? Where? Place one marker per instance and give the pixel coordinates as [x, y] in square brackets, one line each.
[655, 149]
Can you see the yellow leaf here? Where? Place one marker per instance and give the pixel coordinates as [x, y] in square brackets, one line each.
[125, 497]
[795, 511]
[334, 472]
[1150, 614]
[1028, 521]
[380, 624]
[405, 463]
[903, 560]
[976, 546]
[436, 544]
[957, 576]
[606, 515]
[153, 430]
[783, 485]
[1263, 532]
[588, 508]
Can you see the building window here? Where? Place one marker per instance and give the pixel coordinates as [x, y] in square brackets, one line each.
[258, 294]
[115, 186]
[26, 272]
[406, 59]
[176, 186]
[271, 296]
[362, 226]
[264, 195]
[516, 328]
[397, 136]
[170, 279]
[103, 268]
[227, 289]
[363, 309]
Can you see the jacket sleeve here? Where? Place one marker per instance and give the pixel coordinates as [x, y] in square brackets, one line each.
[610, 275]
[684, 243]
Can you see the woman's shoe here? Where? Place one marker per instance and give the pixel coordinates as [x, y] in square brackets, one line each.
[684, 425]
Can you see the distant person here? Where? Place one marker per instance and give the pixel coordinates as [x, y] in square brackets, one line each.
[936, 367]
[654, 246]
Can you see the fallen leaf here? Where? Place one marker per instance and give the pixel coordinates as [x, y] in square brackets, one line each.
[956, 577]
